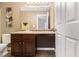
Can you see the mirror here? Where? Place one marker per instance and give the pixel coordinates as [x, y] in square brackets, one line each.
[36, 16]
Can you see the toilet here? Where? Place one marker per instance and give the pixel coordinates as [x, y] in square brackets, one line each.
[3, 50]
[3, 45]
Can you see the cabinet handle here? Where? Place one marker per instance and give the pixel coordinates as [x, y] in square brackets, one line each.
[19, 42]
[23, 42]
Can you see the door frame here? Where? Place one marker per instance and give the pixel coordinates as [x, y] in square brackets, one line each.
[60, 27]
[42, 15]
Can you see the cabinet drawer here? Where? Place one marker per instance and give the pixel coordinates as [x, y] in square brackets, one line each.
[28, 36]
[17, 40]
[16, 36]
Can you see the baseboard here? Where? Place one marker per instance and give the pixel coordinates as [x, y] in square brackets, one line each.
[45, 48]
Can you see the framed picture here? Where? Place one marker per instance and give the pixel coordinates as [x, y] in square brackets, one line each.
[9, 16]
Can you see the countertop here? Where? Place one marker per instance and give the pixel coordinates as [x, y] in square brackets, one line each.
[33, 32]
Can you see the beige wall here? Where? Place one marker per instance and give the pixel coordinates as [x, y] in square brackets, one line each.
[52, 19]
[16, 10]
[16, 15]
[0, 25]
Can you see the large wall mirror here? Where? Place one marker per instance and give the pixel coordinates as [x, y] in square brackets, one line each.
[36, 16]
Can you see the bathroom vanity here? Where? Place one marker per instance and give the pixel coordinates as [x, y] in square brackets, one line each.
[24, 43]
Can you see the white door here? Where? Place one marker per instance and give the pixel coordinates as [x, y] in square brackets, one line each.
[60, 29]
[70, 47]
[71, 29]
[67, 30]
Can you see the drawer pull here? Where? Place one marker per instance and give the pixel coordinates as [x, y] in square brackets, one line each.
[23, 42]
[19, 42]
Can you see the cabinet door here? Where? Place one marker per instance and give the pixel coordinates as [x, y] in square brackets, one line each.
[28, 45]
[16, 45]
[16, 48]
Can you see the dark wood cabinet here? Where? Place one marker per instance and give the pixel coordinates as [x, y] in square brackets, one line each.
[16, 48]
[26, 44]
[29, 45]
[23, 44]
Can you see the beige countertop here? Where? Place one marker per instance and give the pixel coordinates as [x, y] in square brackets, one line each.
[33, 32]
